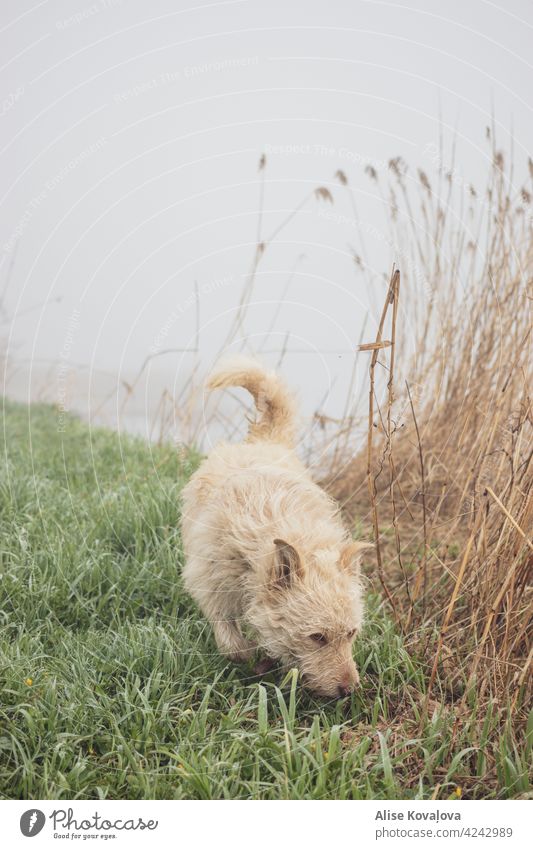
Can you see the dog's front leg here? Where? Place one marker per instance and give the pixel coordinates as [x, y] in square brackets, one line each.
[231, 642]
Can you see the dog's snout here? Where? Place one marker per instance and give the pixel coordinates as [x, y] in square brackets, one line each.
[347, 682]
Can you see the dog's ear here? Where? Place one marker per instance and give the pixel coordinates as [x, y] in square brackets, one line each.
[350, 558]
[287, 564]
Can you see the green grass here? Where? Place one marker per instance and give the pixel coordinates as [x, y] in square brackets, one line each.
[111, 685]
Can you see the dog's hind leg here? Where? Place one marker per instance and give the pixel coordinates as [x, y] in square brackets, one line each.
[231, 642]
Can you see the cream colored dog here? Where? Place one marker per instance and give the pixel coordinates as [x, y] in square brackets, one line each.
[267, 558]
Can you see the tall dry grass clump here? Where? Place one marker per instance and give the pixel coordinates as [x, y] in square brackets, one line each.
[447, 468]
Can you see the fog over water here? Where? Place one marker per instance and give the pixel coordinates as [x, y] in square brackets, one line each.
[134, 194]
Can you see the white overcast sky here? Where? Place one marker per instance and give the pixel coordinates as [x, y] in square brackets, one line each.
[131, 135]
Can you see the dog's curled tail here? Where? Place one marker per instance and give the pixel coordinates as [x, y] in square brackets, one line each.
[277, 413]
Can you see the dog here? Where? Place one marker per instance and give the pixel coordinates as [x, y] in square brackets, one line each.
[267, 558]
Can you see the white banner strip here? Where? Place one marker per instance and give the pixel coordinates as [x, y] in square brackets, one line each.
[254, 824]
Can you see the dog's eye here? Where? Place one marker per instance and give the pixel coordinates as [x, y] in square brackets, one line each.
[319, 638]
[352, 633]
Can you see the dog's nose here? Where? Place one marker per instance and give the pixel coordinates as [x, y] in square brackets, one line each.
[343, 691]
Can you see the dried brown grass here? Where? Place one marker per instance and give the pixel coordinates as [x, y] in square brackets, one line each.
[448, 464]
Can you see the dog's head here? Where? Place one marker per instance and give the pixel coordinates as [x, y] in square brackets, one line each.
[309, 612]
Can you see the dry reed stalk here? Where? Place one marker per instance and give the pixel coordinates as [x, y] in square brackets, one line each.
[512, 521]
[422, 571]
[394, 299]
[371, 480]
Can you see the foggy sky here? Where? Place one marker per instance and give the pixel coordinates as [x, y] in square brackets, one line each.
[131, 137]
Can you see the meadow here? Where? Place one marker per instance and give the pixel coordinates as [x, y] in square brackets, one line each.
[111, 685]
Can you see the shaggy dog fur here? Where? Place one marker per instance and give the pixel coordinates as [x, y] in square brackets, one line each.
[267, 557]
